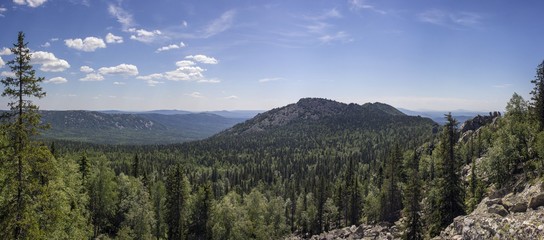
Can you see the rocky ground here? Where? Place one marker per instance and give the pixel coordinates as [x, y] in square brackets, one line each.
[512, 216]
[363, 231]
[517, 215]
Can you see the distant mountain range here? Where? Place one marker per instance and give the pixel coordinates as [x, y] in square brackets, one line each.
[438, 116]
[116, 127]
[175, 126]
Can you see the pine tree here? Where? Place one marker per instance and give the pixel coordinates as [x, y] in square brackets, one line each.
[538, 95]
[412, 196]
[20, 123]
[136, 166]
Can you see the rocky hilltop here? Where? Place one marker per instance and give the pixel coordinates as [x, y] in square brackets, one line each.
[511, 216]
[323, 111]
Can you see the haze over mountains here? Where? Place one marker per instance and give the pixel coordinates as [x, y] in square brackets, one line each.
[176, 126]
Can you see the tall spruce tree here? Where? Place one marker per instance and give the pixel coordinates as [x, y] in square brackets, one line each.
[451, 192]
[538, 95]
[177, 196]
[412, 196]
[25, 165]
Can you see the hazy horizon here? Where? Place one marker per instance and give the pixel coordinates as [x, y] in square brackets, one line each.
[247, 55]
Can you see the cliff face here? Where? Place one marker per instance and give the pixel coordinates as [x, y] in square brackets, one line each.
[512, 216]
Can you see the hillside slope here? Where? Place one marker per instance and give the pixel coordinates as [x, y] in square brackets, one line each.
[136, 128]
[320, 112]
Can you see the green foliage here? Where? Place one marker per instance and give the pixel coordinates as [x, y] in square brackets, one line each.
[177, 202]
[412, 197]
[537, 106]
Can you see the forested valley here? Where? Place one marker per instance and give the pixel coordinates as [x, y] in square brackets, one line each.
[299, 170]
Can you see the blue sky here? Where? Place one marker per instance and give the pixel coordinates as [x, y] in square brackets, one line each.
[255, 54]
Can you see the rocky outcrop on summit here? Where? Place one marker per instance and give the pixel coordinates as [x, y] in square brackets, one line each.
[308, 111]
[512, 216]
[478, 122]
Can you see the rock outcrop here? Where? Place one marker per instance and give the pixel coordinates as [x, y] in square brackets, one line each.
[511, 216]
[364, 231]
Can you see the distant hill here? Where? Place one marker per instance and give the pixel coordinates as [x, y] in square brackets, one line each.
[438, 116]
[133, 128]
[316, 114]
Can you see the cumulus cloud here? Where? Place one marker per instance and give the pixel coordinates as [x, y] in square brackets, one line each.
[5, 51]
[92, 77]
[46, 45]
[143, 35]
[110, 38]
[153, 83]
[2, 11]
[2, 63]
[86, 69]
[185, 63]
[89, 44]
[57, 80]
[121, 69]
[171, 46]
[203, 59]
[49, 62]
[122, 16]
[30, 3]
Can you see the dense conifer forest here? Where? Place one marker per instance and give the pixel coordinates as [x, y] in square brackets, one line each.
[329, 168]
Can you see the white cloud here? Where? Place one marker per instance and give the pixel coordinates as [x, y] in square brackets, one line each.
[152, 83]
[340, 36]
[118, 83]
[2, 11]
[232, 97]
[30, 3]
[5, 51]
[195, 95]
[110, 38]
[86, 69]
[152, 79]
[188, 73]
[203, 59]
[92, 77]
[7, 74]
[185, 63]
[171, 46]
[89, 44]
[265, 80]
[57, 80]
[46, 45]
[213, 80]
[450, 19]
[219, 25]
[122, 16]
[356, 5]
[121, 69]
[184, 23]
[49, 62]
[143, 35]
[54, 39]
[2, 63]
